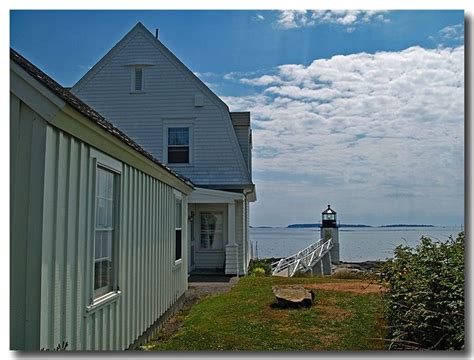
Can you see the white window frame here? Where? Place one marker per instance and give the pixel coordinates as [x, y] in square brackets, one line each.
[101, 160]
[179, 198]
[178, 123]
[133, 78]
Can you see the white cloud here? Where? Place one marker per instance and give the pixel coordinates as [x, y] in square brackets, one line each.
[384, 128]
[260, 81]
[290, 19]
[453, 34]
[206, 74]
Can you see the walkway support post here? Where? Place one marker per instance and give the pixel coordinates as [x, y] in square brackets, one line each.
[317, 269]
[326, 264]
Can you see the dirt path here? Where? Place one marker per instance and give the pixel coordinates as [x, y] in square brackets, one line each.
[356, 287]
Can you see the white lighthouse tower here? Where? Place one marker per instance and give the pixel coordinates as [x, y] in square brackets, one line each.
[330, 230]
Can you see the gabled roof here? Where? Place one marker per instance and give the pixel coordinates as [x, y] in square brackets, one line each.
[85, 109]
[140, 28]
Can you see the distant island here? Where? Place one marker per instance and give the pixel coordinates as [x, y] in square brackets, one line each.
[298, 226]
[318, 225]
[406, 225]
[291, 226]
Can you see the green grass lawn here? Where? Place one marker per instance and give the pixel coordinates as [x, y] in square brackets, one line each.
[244, 319]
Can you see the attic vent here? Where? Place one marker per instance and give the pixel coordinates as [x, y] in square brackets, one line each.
[198, 100]
[138, 83]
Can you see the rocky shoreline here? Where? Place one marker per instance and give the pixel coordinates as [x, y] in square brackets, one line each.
[369, 266]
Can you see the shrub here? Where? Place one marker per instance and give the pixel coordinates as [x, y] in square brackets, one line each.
[260, 264]
[258, 271]
[425, 297]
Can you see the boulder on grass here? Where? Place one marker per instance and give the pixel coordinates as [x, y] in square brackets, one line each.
[293, 296]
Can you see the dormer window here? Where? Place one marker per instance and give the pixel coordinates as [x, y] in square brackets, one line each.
[137, 85]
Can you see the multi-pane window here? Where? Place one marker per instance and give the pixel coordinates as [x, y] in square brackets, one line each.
[178, 145]
[212, 224]
[104, 232]
[178, 230]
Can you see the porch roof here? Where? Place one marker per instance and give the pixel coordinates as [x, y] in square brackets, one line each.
[210, 196]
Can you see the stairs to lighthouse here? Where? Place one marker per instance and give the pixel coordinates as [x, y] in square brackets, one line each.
[315, 258]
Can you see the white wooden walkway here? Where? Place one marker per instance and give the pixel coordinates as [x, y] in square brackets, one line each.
[304, 260]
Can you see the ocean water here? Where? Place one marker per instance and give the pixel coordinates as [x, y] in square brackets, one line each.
[356, 244]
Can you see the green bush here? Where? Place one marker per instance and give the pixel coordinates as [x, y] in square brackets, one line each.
[260, 264]
[258, 271]
[425, 297]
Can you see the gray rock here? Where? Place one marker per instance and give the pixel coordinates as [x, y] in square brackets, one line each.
[348, 269]
[293, 296]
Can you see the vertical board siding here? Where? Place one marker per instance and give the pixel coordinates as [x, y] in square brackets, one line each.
[27, 147]
[147, 276]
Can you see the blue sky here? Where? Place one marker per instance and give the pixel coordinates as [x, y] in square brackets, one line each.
[362, 109]
[219, 42]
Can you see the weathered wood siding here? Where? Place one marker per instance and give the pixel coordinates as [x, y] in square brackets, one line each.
[168, 98]
[147, 276]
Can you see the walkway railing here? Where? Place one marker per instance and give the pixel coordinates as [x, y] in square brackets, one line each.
[302, 260]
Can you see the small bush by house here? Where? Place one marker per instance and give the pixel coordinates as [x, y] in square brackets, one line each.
[260, 267]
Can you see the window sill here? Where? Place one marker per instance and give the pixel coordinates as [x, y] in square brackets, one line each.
[103, 300]
[179, 165]
[137, 92]
[177, 264]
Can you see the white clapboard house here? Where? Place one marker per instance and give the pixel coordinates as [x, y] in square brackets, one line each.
[146, 91]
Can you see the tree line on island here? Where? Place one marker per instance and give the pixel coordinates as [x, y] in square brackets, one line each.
[318, 225]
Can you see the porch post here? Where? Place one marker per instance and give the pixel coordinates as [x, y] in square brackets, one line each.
[231, 223]
[231, 253]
